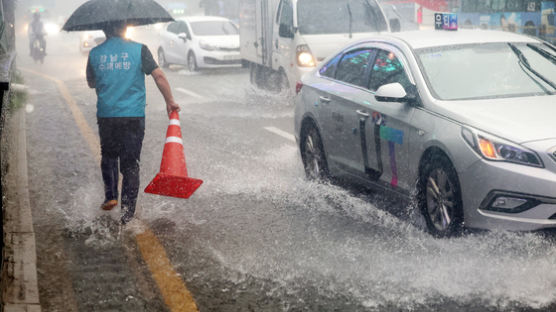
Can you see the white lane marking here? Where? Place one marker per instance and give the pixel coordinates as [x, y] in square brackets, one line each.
[282, 133]
[190, 93]
[174, 140]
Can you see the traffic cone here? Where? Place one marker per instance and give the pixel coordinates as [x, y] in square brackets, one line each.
[173, 180]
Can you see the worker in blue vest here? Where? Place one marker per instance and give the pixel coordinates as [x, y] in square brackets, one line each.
[116, 69]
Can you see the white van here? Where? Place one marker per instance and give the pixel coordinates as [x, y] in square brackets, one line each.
[283, 39]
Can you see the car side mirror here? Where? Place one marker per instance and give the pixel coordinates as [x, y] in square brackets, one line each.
[286, 31]
[393, 92]
[395, 25]
[184, 37]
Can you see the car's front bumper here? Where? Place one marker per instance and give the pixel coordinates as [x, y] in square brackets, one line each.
[485, 181]
[213, 59]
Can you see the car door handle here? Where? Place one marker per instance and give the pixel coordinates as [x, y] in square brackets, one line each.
[324, 99]
[363, 114]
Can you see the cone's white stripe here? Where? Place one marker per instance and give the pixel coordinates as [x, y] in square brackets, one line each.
[174, 122]
[174, 140]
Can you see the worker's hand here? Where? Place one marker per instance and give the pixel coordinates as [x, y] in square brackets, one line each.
[172, 106]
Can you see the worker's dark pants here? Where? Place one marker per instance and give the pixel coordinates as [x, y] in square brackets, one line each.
[121, 140]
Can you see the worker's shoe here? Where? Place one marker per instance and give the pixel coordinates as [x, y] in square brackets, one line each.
[127, 214]
[127, 217]
[109, 205]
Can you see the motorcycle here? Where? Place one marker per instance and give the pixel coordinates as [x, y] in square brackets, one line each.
[37, 51]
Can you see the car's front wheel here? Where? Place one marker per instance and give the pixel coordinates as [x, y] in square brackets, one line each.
[440, 197]
[312, 154]
[192, 62]
[283, 83]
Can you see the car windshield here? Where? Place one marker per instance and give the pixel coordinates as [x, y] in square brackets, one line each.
[339, 16]
[214, 28]
[489, 70]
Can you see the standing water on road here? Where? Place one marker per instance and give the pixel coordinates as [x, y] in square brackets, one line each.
[303, 235]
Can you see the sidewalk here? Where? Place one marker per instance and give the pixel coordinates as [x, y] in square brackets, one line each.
[19, 273]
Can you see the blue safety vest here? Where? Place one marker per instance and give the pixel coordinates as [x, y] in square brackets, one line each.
[120, 81]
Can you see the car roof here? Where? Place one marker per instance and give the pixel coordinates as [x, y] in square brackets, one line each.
[436, 38]
[202, 18]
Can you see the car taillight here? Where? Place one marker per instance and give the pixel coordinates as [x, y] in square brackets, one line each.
[298, 87]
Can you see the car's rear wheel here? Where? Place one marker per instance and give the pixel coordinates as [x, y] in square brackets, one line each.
[312, 154]
[440, 197]
[162, 59]
[192, 62]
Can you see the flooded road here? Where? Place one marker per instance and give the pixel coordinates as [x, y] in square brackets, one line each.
[256, 236]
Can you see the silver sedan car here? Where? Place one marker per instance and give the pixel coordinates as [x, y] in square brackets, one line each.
[461, 122]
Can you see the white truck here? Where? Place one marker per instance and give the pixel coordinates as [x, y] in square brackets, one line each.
[281, 40]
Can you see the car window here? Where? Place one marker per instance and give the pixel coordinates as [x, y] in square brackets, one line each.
[353, 68]
[182, 28]
[492, 70]
[329, 70]
[286, 15]
[387, 69]
[173, 27]
[214, 28]
[339, 16]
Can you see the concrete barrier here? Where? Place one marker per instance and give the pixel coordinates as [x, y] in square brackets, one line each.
[19, 276]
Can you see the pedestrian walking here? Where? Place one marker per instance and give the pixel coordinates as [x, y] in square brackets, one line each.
[116, 69]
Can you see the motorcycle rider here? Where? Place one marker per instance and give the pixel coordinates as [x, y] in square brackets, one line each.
[36, 31]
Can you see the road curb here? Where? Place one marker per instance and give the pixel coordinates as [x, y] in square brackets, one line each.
[20, 289]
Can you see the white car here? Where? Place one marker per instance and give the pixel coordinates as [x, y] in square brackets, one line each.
[91, 39]
[200, 42]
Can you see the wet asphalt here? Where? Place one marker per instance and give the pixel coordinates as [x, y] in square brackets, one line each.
[256, 236]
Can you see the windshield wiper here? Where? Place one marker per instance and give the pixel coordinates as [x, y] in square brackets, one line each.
[350, 21]
[550, 46]
[523, 61]
[543, 53]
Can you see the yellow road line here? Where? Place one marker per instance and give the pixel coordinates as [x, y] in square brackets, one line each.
[176, 295]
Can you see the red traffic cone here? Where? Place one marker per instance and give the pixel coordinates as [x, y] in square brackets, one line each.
[173, 180]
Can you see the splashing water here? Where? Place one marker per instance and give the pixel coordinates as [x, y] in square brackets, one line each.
[323, 235]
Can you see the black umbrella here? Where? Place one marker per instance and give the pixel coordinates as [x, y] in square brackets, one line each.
[95, 14]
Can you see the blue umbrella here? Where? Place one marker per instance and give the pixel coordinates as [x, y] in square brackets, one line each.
[97, 14]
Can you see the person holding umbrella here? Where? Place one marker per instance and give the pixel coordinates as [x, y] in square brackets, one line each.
[116, 69]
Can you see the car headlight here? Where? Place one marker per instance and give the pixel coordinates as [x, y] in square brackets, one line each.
[496, 149]
[51, 28]
[305, 57]
[207, 46]
[129, 32]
